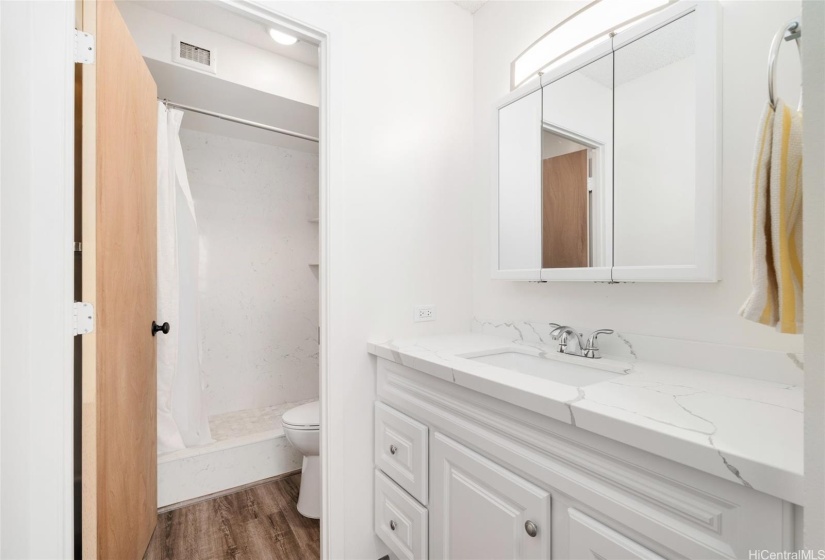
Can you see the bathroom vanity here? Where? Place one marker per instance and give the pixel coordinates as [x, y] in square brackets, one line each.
[490, 448]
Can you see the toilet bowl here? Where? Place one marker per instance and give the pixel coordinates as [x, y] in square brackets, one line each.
[302, 426]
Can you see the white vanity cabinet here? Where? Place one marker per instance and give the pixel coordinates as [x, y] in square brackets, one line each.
[504, 482]
[481, 510]
[591, 540]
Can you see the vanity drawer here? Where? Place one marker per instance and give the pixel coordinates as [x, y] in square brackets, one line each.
[400, 521]
[401, 450]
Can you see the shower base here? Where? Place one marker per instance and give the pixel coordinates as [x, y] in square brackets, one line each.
[249, 446]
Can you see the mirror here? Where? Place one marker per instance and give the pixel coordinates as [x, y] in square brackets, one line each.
[608, 170]
[576, 168]
[518, 212]
[655, 147]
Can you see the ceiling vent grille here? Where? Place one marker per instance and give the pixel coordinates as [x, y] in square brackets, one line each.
[189, 54]
[195, 54]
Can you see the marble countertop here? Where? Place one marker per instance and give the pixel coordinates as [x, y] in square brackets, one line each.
[744, 430]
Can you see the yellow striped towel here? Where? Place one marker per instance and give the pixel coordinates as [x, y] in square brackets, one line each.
[776, 268]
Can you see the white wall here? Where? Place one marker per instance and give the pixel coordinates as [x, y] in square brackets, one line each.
[706, 312]
[401, 166]
[36, 256]
[400, 128]
[237, 61]
[813, 17]
[258, 296]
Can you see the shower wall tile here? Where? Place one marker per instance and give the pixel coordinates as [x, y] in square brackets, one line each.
[258, 294]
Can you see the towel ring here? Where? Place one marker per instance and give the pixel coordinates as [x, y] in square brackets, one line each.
[792, 31]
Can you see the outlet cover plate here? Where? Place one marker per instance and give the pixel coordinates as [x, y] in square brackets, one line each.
[424, 313]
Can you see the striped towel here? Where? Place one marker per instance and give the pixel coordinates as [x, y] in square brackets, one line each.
[776, 269]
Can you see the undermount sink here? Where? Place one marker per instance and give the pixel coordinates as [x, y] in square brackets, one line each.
[559, 369]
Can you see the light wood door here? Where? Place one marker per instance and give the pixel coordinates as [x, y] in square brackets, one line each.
[564, 241]
[591, 540]
[119, 198]
[479, 509]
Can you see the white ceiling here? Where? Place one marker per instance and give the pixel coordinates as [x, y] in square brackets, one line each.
[219, 20]
[471, 6]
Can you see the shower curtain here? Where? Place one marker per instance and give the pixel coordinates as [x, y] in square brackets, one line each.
[182, 417]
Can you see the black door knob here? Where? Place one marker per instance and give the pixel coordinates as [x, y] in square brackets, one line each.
[164, 328]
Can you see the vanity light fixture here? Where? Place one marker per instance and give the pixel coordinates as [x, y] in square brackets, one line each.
[282, 38]
[595, 21]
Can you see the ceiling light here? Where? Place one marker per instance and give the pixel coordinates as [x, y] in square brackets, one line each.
[282, 38]
[595, 21]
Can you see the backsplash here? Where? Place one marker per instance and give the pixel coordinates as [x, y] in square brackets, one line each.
[754, 363]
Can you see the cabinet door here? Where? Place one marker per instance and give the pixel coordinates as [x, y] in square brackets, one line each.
[480, 510]
[591, 540]
[517, 251]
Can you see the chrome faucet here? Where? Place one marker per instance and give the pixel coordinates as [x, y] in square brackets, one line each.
[562, 334]
[590, 350]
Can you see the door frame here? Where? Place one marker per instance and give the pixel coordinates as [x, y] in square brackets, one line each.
[330, 450]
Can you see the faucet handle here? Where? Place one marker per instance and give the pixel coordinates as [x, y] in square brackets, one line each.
[592, 349]
[556, 333]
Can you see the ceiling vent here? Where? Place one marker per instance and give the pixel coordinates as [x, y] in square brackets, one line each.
[188, 53]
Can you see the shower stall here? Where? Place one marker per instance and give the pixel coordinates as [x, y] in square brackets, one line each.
[237, 282]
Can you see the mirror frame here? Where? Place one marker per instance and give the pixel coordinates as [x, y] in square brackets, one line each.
[533, 273]
[708, 196]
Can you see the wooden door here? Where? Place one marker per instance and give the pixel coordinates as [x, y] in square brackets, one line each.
[591, 540]
[119, 198]
[564, 242]
[479, 510]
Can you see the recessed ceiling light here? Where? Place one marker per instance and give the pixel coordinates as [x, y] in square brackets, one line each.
[282, 38]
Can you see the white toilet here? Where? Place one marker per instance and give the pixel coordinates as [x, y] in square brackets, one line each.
[302, 426]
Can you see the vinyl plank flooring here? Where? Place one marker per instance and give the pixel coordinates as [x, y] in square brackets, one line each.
[257, 523]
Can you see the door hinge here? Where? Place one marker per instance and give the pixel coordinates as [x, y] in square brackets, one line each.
[83, 320]
[84, 47]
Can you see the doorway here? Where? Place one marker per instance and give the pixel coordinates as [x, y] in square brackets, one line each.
[207, 137]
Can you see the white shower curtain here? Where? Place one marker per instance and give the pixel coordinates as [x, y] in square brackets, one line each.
[182, 417]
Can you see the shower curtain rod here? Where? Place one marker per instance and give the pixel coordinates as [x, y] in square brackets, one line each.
[239, 121]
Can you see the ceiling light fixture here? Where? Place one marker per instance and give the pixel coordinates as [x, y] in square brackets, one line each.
[593, 22]
[282, 38]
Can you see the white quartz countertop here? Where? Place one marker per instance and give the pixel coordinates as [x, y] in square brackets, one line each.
[744, 430]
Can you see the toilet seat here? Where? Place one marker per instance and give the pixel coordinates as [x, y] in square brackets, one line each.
[304, 417]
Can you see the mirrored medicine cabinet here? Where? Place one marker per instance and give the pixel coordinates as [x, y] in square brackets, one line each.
[608, 169]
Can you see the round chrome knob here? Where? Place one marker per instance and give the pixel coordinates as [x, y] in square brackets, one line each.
[392, 525]
[393, 449]
[531, 528]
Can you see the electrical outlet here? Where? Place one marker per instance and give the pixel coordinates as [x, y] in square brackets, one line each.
[424, 313]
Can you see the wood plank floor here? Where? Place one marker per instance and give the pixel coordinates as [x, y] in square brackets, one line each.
[257, 523]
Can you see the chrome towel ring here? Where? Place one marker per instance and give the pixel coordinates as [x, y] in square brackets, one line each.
[792, 31]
